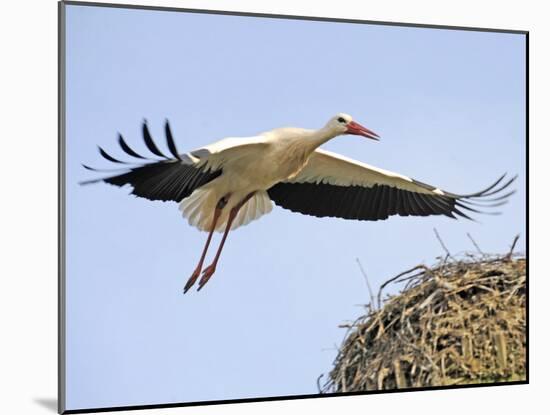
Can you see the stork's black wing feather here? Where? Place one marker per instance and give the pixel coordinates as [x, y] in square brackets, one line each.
[164, 180]
[376, 202]
[172, 179]
[149, 141]
[127, 149]
[170, 141]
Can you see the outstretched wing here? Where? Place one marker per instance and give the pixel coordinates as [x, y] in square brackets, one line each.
[336, 186]
[170, 178]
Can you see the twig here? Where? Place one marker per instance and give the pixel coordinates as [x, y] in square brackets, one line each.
[410, 277]
[371, 294]
[319, 383]
[509, 255]
[475, 244]
[424, 267]
[442, 244]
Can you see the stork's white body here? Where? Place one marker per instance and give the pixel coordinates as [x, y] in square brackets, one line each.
[251, 165]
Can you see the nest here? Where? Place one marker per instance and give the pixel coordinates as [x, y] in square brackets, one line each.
[459, 322]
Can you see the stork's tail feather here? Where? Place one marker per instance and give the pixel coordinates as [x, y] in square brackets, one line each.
[199, 208]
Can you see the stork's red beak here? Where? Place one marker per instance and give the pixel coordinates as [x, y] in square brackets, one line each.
[357, 129]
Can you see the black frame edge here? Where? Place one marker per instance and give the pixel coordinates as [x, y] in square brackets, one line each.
[289, 398]
[527, 206]
[290, 17]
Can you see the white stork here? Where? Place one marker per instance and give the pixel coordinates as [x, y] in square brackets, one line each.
[231, 182]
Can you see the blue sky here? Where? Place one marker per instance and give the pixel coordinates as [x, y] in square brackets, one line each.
[449, 106]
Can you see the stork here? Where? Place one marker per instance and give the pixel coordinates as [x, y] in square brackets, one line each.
[229, 183]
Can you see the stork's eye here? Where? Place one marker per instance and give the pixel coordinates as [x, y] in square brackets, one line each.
[341, 119]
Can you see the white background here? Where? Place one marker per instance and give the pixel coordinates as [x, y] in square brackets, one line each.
[28, 191]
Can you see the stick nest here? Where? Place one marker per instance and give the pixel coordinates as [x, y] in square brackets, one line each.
[461, 321]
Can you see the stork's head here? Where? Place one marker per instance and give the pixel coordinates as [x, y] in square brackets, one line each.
[343, 124]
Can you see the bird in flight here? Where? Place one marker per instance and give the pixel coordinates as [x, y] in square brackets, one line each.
[229, 183]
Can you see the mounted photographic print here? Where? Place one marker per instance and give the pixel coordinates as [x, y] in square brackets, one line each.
[258, 207]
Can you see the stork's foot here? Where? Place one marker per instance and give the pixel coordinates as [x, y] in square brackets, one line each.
[206, 274]
[191, 281]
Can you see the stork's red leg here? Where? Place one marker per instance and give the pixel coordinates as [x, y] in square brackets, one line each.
[209, 270]
[217, 212]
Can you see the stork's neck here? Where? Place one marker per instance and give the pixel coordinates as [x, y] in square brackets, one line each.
[321, 136]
